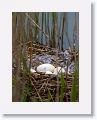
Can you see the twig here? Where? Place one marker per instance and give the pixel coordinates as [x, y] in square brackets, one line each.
[36, 90]
[35, 24]
[41, 87]
[50, 94]
[56, 33]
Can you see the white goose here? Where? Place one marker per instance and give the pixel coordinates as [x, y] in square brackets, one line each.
[49, 69]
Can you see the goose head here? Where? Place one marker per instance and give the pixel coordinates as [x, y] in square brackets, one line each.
[32, 70]
[58, 70]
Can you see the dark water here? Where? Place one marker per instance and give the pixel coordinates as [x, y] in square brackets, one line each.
[71, 18]
[71, 28]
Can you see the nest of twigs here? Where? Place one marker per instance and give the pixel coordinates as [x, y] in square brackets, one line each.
[40, 87]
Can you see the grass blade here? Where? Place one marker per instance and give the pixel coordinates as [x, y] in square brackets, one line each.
[50, 98]
[74, 91]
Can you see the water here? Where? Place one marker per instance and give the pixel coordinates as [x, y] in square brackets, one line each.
[69, 28]
[46, 22]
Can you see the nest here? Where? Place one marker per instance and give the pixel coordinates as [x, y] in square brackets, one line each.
[41, 87]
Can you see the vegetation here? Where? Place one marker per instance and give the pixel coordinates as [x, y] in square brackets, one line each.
[37, 34]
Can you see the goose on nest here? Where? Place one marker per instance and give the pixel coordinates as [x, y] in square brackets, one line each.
[45, 67]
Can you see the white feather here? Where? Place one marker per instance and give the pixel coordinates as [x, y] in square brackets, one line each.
[58, 70]
[48, 72]
[32, 70]
[45, 67]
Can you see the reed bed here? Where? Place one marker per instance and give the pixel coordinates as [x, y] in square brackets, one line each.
[32, 37]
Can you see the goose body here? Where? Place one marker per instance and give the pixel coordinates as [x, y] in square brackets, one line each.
[48, 72]
[45, 67]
